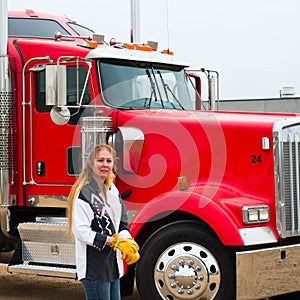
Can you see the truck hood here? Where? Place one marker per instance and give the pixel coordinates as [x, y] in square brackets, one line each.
[211, 149]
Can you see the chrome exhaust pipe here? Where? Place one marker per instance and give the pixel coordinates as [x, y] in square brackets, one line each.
[6, 99]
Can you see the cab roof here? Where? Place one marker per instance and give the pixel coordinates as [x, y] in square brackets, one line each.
[29, 23]
[134, 55]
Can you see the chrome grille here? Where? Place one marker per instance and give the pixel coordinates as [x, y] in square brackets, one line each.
[291, 151]
[287, 176]
[94, 131]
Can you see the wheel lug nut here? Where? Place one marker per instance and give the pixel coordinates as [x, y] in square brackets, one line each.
[190, 291]
[190, 262]
[181, 261]
[200, 277]
[173, 284]
[197, 286]
[171, 275]
[174, 267]
[180, 290]
[197, 268]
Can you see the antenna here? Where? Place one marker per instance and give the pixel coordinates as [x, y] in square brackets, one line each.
[168, 33]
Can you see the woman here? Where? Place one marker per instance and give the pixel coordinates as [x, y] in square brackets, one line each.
[96, 212]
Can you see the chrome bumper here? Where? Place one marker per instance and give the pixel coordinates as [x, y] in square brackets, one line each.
[267, 272]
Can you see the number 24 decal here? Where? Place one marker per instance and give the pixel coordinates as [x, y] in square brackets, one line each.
[256, 159]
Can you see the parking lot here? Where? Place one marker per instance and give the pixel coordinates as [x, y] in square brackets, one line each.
[31, 287]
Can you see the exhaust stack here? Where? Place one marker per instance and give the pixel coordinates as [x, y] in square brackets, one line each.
[6, 99]
[4, 82]
[135, 21]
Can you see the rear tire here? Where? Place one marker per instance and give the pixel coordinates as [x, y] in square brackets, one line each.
[185, 261]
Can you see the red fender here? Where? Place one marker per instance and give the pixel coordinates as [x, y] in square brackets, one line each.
[224, 216]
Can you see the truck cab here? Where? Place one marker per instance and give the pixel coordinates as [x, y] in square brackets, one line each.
[209, 194]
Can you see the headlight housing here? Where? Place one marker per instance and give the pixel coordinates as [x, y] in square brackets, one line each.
[256, 214]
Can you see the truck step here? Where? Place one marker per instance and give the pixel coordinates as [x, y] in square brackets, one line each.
[43, 270]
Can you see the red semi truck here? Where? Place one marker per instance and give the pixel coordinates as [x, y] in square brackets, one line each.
[213, 197]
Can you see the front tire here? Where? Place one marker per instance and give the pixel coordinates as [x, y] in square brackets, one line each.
[185, 261]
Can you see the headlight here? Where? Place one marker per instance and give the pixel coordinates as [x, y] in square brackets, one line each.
[256, 214]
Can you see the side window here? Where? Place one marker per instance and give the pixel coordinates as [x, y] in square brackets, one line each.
[81, 30]
[41, 92]
[74, 160]
[71, 91]
[192, 90]
[33, 27]
[72, 86]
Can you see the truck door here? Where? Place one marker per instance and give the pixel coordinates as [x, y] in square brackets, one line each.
[52, 152]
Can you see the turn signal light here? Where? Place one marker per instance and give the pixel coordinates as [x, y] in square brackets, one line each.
[183, 183]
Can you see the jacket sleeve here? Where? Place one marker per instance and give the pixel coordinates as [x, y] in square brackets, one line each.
[82, 217]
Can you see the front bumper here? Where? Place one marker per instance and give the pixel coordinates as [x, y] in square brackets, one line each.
[267, 272]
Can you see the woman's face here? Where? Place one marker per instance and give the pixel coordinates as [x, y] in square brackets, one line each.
[103, 164]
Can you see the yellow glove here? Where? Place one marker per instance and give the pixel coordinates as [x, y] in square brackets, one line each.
[132, 258]
[130, 250]
[115, 241]
[128, 247]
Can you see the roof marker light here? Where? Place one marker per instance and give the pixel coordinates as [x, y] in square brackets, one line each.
[91, 43]
[167, 51]
[31, 13]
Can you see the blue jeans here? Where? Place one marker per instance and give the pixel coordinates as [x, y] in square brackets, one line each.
[95, 290]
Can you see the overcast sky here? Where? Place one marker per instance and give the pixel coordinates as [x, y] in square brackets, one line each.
[253, 44]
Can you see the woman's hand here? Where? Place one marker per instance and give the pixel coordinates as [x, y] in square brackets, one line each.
[109, 240]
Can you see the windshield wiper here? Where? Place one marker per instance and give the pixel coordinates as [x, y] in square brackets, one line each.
[163, 84]
[161, 100]
[153, 92]
[167, 88]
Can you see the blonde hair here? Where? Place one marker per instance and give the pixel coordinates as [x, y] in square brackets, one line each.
[85, 176]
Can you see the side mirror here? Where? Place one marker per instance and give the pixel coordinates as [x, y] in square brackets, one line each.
[56, 85]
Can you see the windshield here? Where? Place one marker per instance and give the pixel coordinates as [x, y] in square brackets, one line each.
[140, 85]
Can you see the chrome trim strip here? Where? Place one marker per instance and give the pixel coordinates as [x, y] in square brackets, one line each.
[291, 183]
[47, 201]
[278, 184]
[297, 177]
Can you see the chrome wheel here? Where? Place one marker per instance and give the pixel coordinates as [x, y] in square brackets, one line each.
[185, 261]
[187, 271]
